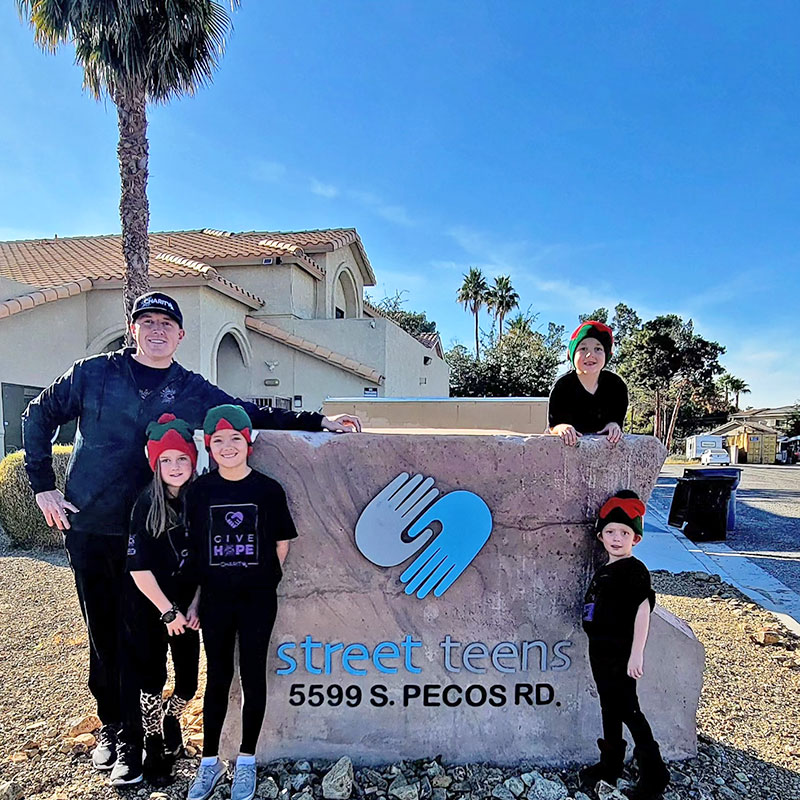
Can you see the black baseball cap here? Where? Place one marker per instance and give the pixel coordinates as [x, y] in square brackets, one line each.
[157, 301]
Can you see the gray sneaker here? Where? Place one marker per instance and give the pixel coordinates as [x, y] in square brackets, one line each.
[244, 782]
[206, 779]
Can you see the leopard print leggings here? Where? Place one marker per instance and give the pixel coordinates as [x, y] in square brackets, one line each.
[151, 706]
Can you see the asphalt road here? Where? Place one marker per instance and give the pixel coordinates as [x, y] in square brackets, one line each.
[767, 516]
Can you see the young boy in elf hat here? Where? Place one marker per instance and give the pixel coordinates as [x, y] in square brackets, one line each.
[239, 527]
[616, 618]
[589, 398]
[161, 613]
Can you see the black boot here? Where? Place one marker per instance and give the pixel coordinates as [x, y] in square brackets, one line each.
[171, 725]
[157, 766]
[609, 768]
[653, 773]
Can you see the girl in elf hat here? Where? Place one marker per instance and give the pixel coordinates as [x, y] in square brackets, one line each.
[240, 526]
[616, 618]
[589, 398]
[163, 615]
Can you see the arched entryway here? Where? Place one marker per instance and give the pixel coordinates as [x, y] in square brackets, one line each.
[232, 372]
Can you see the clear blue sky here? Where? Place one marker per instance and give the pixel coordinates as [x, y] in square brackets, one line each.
[641, 152]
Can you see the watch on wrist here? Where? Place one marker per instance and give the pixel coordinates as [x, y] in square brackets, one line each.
[169, 615]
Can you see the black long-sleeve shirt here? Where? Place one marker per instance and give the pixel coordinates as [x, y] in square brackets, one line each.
[108, 467]
[571, 404]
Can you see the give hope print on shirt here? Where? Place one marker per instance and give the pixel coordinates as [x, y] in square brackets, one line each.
[233, 535]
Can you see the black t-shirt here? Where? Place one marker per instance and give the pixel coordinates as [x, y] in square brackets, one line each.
[571, 404]
[613, 598]
[234, 527]
[166, 556]
[147, 378]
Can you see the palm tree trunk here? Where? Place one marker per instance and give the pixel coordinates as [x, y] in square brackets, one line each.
[477, 351]
[134, 209]
[500, 335]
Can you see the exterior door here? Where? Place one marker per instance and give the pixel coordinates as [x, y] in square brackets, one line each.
[15, 400]
[754, 449]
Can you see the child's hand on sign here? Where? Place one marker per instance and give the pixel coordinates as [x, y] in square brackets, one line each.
[636, 665]
[567, 433]
[613, 431]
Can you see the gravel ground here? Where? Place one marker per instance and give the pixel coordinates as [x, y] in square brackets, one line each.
[749, 745]
[767, 516]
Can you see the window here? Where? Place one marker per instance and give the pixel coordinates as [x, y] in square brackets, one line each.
[339, 313]
[283, 402]
[261, 402]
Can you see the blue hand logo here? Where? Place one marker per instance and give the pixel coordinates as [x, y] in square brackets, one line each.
[407, 505]
[466, 524]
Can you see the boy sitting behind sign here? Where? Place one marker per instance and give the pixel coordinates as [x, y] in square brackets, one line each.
[616, 618]
[239, 526]
[589, 398]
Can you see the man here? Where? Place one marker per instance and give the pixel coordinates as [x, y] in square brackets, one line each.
[113, 397]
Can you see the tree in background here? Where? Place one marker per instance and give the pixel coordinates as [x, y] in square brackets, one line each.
[624, 324]
[472, 295]
[738, 386]
[664, 362]
[134, 53]
[523, 364]
[501, 299]
[598, 315]
[724, 384]
[413, 322]
[793, 421]
[521, 324]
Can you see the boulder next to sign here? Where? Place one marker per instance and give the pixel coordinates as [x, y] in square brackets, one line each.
[469, 644]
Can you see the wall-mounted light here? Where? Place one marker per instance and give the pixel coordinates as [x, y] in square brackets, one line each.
[272, 364]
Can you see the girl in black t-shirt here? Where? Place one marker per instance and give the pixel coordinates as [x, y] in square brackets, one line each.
[239, 527]
[616, 618]
[162, 614]
[589, 398]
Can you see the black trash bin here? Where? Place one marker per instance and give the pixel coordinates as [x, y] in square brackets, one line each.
[701, 502]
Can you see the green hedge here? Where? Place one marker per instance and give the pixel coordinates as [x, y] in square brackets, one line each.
[19, 515]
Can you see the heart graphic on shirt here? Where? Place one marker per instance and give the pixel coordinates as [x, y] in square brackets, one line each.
[234, 518]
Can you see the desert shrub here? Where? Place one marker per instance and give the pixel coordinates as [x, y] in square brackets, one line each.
[20, 517]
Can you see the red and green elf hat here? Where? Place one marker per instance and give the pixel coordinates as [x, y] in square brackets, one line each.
[597, 330]
[169, 433]
[624, 507]
[228, 417]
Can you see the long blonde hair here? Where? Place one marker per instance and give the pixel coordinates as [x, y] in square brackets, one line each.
[162, 515]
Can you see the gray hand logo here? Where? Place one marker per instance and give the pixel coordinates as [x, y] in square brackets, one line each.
[380, 527]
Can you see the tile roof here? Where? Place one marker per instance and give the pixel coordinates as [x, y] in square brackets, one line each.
[54, 262]
[428, 339]
[313, 349]
[32, 299]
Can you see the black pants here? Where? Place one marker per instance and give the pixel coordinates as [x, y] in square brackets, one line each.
[98, 565]
[147, 643]
[618, 700]
[144, 646]
[250, 613]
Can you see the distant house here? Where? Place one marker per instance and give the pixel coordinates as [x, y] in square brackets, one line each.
[279, 318]
[755, 443]
[775, 418]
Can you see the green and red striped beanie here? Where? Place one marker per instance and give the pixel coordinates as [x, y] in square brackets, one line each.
[624, 507]
[169, 433]
[228, 417]
[597, 330]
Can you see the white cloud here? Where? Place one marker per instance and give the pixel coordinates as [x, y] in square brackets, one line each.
[323, 189]
[390, 212]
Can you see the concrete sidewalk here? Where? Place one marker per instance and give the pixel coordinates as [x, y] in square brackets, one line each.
[665, 548]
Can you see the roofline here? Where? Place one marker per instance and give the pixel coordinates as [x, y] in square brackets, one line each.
[313, 349]
[25, 302]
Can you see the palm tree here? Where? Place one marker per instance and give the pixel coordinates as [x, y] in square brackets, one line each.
[501, 299]
[738, 386]
[472, 295]
[134, 53]
[724, 383]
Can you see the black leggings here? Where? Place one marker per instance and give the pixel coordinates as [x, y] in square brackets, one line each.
[145, 642]
[250, 613]
[618, 700]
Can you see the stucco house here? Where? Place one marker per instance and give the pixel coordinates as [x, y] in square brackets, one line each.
[279, 318]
